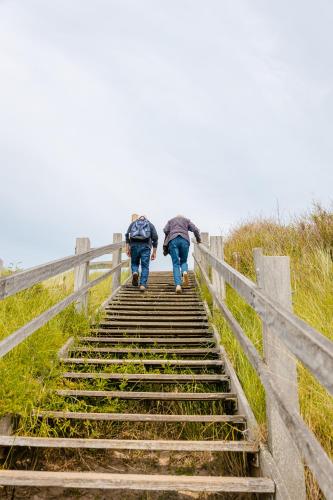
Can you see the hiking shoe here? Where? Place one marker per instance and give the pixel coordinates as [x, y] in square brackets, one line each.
[178, 289]
[135, 279]
[142, 288]
[185, 278]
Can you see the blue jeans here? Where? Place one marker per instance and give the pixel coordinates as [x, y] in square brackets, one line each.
[178, 249]
[140, 253]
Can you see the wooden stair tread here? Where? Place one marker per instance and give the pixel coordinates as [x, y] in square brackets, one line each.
[136, 481]
[147, 340]
[159, 331]
[162, 396]
[130, 444]
[134, 350]
[175, 362]
[136, 314]
[150, 307]
[139, 324]
[154, 377]
[142, 417]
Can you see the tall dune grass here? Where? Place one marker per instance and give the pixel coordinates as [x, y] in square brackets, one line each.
[309, 243]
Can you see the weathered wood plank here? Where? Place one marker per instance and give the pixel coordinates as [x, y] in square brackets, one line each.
[21, 334]
[135, 308]
[81, 274]
[166, 331]
[147, 340]
[25, 279]
[146, 482]
[116, 260]
[162, 396]
[129, 318]
[158, 313]
[142, 417]
[143, 300]
[274, 276]
[130, 444]
[140, 323]
[134, 350]
[171, 362]
[151, 377]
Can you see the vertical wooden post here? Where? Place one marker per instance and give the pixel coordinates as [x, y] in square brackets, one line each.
[6, 429]
[202, 259]
[274, 279]
[217, 248]
[81, 274]
[116, 259]
[257, 256]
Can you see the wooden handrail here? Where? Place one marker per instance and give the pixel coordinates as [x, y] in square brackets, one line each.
[9, 285]
[311, 347]
[307, 444]
[25, 331]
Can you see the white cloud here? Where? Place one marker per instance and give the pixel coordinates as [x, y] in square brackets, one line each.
[213, 109]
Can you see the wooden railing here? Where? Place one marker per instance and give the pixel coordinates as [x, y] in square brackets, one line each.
[286, 339]
[81, 263]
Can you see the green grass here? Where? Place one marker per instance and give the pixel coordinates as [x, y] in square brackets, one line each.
[31, 370]
[309, 243]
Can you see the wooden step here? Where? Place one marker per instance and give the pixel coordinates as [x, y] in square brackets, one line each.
[142, 395]
[152, 318]
[146, 340]
[141, 417]
[156, 378]
[107, 481]
[201, 332]
[156, 313]
[190, 363]
[170, 287]
[154, 307]
[150, 324]
[171, 296]
[130, 444]
[121, 350]
[157, 302]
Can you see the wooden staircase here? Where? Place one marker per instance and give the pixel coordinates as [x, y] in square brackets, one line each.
[149, 379]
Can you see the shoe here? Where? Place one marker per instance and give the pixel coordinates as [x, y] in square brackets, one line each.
[135, 279]
[185, 278]
[178, 289]
[142, 288]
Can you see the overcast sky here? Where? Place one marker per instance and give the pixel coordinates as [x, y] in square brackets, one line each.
[220, 110]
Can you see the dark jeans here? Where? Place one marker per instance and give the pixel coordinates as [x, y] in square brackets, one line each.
[178, 249]
[140, 253]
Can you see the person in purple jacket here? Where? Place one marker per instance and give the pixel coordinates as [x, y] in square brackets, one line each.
[177, 243]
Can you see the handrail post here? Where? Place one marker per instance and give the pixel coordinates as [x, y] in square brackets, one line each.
[116, 260]
[202, 258]
[217, 248]
[273, 276]
[81, 274]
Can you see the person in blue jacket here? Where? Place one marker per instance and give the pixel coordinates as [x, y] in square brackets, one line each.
[141, 237]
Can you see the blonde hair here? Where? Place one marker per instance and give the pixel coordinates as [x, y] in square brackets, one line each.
[134, 217]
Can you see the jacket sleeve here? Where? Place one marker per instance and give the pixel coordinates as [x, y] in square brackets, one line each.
[167, 228]
[154, 235]
[195, 230]
[127, 237]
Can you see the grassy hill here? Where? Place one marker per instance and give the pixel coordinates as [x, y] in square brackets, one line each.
[309, 243]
